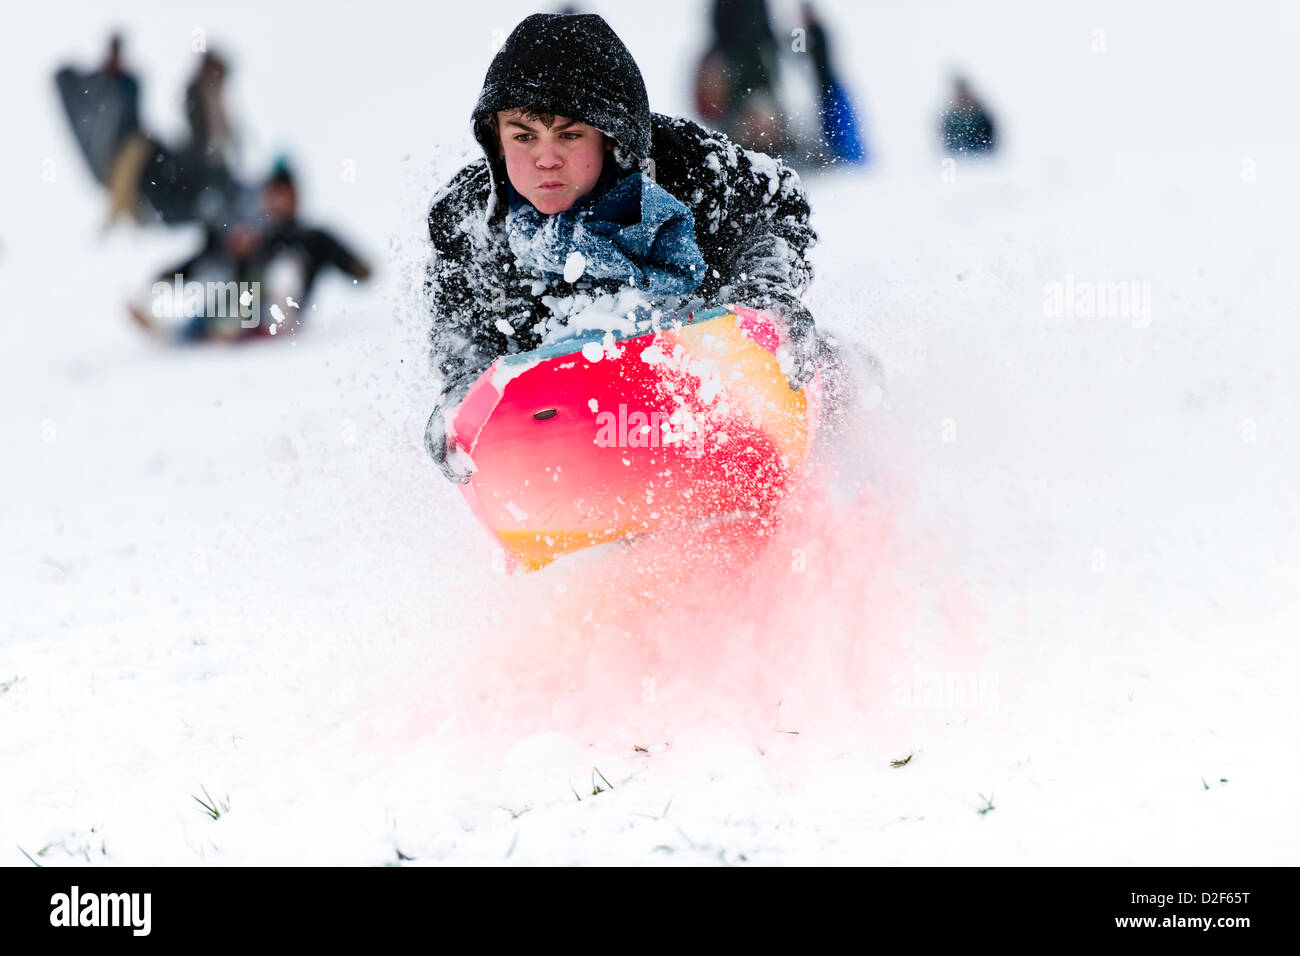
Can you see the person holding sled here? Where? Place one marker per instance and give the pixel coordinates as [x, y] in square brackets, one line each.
[575, 162]
[195, 183]
[147, 181]
[103, 109]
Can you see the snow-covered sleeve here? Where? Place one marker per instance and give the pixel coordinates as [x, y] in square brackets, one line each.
[459, 291]
[766, 211]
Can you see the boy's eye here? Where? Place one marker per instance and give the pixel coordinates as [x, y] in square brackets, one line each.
[569, 136]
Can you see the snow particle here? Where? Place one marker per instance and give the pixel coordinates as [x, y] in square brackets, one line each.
[574, 267]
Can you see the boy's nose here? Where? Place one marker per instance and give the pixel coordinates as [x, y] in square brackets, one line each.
[548, 157]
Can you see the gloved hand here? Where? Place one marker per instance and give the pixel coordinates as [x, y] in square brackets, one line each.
[450, 456]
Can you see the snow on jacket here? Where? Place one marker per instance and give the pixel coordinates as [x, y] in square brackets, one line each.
[750, 211]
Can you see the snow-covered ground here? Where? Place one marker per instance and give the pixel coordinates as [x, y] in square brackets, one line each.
[1067, 586]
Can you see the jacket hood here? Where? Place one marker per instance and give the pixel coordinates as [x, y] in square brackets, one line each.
[570, 65]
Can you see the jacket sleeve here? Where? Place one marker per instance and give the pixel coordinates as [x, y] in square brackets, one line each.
[328, 248]
[460, 291]
[767, 212]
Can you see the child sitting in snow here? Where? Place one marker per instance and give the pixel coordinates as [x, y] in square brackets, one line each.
[583, 189]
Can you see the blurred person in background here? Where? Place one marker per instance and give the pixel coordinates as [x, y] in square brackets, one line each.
[735, 88]
[273, 253]
[301, 251]
[146, 180]
[966, 126]
[195, 183]
[839, 122]
[103, 108]
[211, 149]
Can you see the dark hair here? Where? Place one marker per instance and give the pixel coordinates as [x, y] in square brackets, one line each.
[546, 119]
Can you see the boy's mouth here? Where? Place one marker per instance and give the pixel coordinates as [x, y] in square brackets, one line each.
[551, 186]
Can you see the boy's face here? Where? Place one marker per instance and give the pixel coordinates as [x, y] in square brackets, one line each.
[552, 167]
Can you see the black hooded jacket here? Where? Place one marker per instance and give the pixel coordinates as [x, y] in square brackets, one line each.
[750, 210]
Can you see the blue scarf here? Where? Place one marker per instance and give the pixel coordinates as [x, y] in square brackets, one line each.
[630, 229]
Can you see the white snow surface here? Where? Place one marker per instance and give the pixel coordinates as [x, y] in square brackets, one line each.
[1057, 566]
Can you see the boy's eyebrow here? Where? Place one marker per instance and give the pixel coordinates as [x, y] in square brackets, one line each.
[557, 127]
